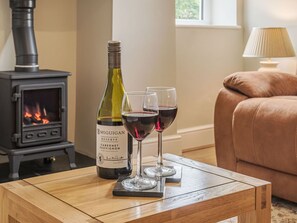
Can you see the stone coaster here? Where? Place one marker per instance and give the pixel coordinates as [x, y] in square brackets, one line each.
[158, 191]
[171, 179]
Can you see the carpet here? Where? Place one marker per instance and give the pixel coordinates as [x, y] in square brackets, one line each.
[282, 211]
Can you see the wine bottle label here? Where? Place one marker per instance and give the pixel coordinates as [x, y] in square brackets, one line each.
[111, 146]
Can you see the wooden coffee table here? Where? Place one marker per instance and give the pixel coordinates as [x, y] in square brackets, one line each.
[205, 194]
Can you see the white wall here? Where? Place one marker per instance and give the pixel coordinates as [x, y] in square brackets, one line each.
[224, 12]
[7, 58]
[147, 31]
[204, 57]
[55, 30]
[271, 13]
[94, 29]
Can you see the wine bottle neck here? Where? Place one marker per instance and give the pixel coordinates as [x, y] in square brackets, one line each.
[114, 60]
[114, 76]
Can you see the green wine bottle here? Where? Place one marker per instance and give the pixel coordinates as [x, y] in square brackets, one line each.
[114, 144]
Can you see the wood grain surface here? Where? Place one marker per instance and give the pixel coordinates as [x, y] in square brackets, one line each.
[205, 194]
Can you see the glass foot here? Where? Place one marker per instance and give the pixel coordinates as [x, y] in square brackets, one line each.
[162, 171]
[139, 184]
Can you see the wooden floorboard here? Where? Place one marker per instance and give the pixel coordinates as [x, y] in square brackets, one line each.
[205, 155]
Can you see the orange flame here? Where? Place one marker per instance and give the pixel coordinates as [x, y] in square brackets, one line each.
[37, 116]
[34, 113]
[27, 115]
[45, 121]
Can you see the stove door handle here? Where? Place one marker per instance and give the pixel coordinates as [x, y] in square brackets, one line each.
[42, 134]
[63, 109]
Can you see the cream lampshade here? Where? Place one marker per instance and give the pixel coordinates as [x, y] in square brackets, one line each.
[269, 43]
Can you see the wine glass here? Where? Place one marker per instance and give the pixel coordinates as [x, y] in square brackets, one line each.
[167, 113]
[139, 116]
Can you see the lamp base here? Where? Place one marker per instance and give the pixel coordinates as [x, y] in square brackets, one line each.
[269, 66]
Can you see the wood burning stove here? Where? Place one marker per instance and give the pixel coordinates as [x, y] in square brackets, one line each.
[33, 102]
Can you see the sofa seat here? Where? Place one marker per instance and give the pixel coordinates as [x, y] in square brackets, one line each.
[265, 132]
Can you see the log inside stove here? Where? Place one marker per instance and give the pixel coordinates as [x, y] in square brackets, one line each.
[36, 115]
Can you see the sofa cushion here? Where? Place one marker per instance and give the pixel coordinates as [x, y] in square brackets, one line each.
[265, 132]
[262, 84]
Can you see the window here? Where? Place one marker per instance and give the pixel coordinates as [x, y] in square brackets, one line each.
[206, 12]
[188, 11]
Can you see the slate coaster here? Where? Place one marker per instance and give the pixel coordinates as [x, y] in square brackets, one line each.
[158, 191]
[171, 179]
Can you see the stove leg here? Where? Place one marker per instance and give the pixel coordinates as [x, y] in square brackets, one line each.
[71, 156]
[14, 165]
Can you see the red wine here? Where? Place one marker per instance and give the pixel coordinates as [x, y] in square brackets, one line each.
[139, 124]
[165, 118]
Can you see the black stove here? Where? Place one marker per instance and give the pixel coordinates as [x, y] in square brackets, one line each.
[33, 102]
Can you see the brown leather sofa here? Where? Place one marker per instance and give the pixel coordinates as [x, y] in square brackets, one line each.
[256, 128]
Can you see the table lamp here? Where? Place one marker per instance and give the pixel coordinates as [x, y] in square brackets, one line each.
[269, 43]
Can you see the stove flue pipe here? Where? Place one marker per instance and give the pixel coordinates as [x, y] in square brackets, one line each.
[23, 35]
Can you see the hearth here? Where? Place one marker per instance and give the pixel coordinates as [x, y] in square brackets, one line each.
[33, 102]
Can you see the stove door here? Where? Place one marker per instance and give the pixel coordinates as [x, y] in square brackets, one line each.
[41, 114]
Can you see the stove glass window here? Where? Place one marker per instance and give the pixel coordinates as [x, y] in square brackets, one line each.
[41, 106]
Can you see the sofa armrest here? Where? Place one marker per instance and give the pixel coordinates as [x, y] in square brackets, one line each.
[262, 84]
[226, 103]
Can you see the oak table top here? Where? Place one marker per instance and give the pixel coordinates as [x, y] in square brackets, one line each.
[205, 194]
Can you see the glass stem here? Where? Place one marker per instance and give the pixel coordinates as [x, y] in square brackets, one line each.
[139, 161]
[160, 150]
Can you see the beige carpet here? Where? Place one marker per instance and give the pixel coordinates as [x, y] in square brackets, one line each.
[282, 212]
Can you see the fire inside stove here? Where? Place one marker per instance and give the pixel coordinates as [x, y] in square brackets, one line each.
[35, 115]
[41, 107]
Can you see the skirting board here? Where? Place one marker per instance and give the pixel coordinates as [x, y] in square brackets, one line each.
[197, 136]
[187, 138]
[171, 144]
